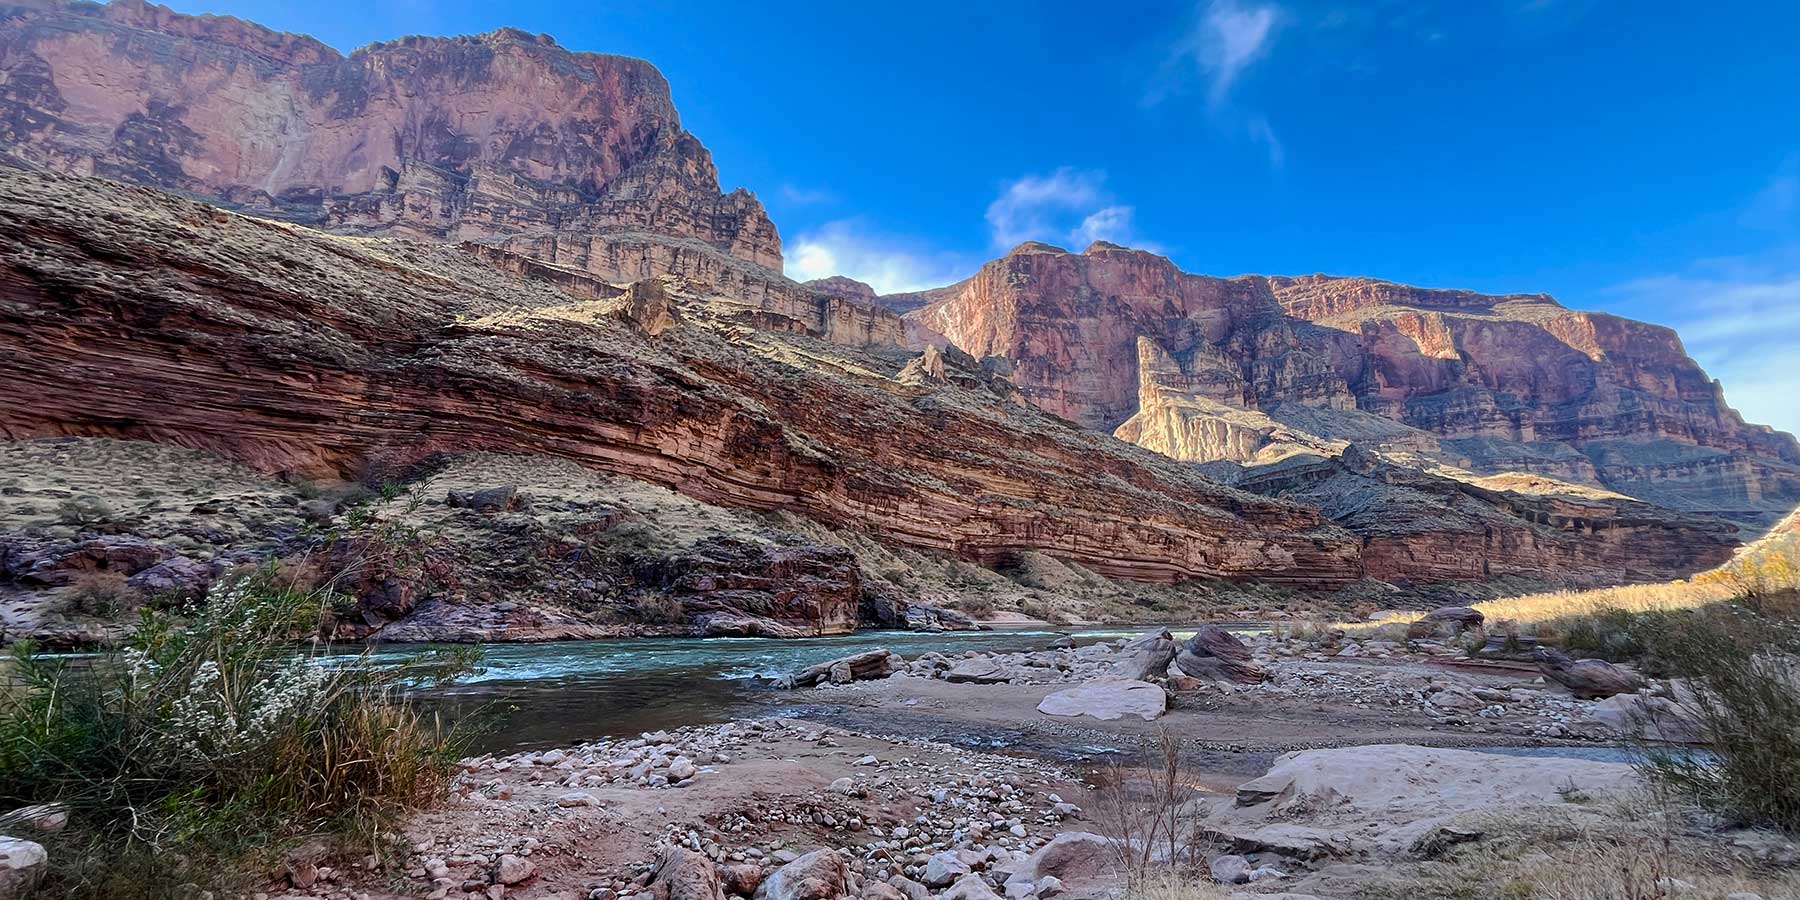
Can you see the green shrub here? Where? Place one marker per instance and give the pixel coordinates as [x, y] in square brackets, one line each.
[1745, 680]
[188, 751]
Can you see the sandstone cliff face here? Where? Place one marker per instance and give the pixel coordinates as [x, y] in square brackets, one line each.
[127, 313]
[504, 139]
[461, 138]
[1207, 368]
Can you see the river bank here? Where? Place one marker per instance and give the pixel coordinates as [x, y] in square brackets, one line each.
[1359, 773]
[782, 809]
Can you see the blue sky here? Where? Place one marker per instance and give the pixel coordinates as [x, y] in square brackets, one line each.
[1641, 158]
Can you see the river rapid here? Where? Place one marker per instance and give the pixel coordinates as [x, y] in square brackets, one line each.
[530, 696]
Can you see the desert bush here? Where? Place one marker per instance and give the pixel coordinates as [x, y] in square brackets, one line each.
[1744, 674]
[977, 605]
[1142, 809]
[659, 609]
[100, 593]
[188, 750]
[85, 511]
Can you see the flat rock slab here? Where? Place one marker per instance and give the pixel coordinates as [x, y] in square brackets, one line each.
[1108, 700]
[980, 670]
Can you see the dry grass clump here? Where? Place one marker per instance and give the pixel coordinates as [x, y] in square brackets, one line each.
[1173, 884]
[1767, 570]
[1642, 848]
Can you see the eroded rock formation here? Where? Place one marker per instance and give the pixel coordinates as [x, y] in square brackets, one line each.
[125, 312]
[457, 138]
[1251, 368]
[505, 138]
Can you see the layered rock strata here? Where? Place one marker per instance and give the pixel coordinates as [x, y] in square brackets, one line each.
[127, 313]
[1205, 368]
[504, 138]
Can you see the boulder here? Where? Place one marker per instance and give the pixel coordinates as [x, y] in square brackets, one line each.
[1587, 679]
[1388, 799]
[1216, 654]
[881, 890]
[819, 875]
[1147, 656]
[683, 874]
[912, 889]
[969, 887]
[869, 664]
[504, 498]
[22, 866]
[1108, 700]
[729, 587]
[1230, 869]
[931, 665]
[741, 879]
[1072, 857]
[177, 576]
[943, 868]
[513, 869]
[57, 563]
[977, 670]
[1675, 718]
[1445, 621]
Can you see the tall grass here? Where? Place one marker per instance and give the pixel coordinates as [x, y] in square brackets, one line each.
[189, 752]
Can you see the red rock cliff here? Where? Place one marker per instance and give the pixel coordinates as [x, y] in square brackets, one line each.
[1491, 383]
[125, 312]
[462, 138]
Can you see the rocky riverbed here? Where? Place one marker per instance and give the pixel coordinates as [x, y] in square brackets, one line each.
[1345, 689]
[1332, 771]
[788, 810]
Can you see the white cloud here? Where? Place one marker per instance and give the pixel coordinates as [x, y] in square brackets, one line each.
[1261, 133]
[1227, 38]
[1068, 206]
[887, 263]
[1777, 206]
[805, 196]
[1230, 37]
[1741, 322]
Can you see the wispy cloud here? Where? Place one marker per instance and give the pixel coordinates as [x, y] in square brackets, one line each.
[1068, 206]
[1740, 319]
[1777, 206]
[888, 263]
[1229, 38]
[805, 196]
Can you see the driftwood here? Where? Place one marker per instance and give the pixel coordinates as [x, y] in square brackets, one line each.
[1587, 679]
[1217, 654]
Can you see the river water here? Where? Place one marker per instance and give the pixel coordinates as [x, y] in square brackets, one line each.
[528, 696]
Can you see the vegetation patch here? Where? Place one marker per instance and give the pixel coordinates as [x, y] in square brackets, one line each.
[210, 743]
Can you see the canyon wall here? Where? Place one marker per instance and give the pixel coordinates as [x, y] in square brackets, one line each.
[128, 313]
[503, 138]
[460, 138]
[1205, 368]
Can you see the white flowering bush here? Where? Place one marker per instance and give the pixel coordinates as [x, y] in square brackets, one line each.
[214, 727]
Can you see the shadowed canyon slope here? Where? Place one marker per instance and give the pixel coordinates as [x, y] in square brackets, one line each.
[1251, 368]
